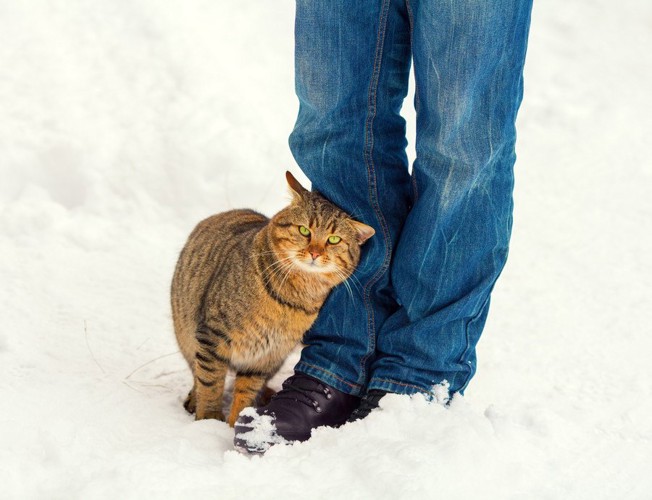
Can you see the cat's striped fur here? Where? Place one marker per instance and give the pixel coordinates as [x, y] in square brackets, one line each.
[246, 288]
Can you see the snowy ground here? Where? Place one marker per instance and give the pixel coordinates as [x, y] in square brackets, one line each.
[123, 123]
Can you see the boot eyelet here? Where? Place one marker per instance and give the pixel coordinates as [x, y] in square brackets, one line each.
[318, 409]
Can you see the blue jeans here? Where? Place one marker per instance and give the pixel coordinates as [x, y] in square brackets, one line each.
[420, 295]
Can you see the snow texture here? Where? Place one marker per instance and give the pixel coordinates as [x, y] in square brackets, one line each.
[122, 124]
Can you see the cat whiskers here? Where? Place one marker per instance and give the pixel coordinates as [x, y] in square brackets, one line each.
[277, 267]
[276, 263]
[345, 280]
[287, 269]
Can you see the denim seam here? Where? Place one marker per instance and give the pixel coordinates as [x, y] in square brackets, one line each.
[331, 374]
[373, 185]
[415, 190]
[402, 384]
[463, 357]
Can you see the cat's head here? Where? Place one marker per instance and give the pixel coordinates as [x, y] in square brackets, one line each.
[316, 236]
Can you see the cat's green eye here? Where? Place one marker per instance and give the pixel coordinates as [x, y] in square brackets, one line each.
[304, 230]
[334, 240]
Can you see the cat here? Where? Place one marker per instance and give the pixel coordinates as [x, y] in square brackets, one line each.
[246, 288]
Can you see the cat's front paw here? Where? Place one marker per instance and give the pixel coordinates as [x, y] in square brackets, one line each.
[265, 396]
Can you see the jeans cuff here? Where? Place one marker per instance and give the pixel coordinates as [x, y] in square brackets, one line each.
[329, 378]
[395, 386]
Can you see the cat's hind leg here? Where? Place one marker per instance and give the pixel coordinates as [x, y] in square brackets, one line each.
[247, 387]
[190, 404]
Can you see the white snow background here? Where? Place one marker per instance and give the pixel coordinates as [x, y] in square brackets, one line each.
[123, 123]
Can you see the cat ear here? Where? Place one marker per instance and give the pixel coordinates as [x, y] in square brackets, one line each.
[297, 189]
[363, 231]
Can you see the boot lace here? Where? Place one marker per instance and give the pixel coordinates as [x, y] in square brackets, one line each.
[303, 390]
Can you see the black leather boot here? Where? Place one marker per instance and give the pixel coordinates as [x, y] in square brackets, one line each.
[303, 404]
[368, 404]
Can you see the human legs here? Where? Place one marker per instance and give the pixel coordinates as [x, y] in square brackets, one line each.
[419, 323]
[468, 61]
[421, 292]
[352, 66]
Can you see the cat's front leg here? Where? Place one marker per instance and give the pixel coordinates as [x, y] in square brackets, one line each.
[247, 386]
[209, 387]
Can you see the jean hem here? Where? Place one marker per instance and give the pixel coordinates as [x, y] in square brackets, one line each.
[329, 378]
[396, 387]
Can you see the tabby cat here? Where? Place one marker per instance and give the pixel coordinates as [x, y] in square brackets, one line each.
[246, 288]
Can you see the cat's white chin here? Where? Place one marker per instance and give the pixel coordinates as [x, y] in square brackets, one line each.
[314, 267]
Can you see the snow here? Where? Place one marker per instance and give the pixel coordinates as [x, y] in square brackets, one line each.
[122, 124]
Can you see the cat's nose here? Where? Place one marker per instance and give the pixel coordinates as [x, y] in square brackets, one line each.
[314, 254]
